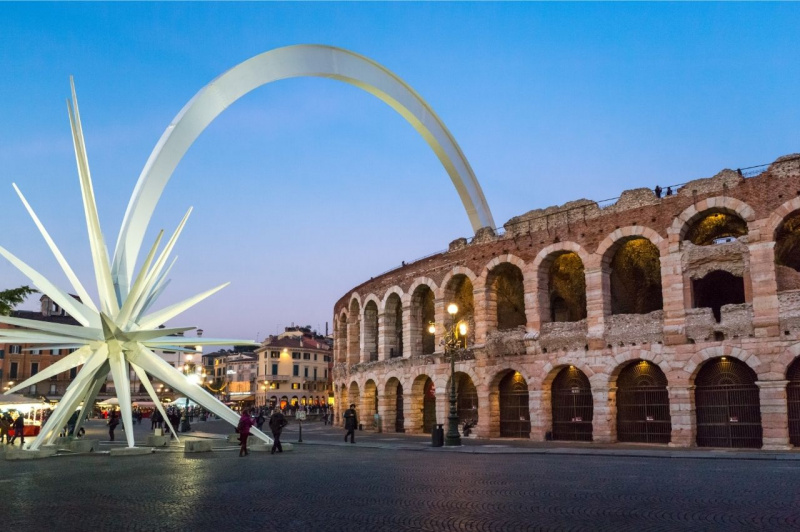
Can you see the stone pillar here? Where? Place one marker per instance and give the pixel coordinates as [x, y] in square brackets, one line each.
[598, 294]
[409, 327]
[533, 301]
[682, 416]
[387, 408]
[541, 413]
[383, 337]
[367, 409]
[774, 415]
[443, 405]
[484, 427]
[485, 307]
[441, 319]
[764, 289]
[412, 412]
[672, 292]
[604, 417]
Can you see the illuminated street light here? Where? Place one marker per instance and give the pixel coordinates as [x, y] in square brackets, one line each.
[452, 343]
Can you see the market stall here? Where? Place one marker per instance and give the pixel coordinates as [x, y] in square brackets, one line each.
[34, 411]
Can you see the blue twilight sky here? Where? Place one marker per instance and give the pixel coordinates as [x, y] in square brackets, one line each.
[307, 187]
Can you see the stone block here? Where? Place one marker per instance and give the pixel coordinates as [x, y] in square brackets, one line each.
[131, 451]
[29, 454]
[157, 441]
[234, 438]
[84, 446]
[197, 446]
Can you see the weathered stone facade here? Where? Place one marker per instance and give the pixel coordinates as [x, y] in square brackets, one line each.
[761, 329]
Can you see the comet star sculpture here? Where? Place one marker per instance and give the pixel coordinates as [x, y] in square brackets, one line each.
[121, 333]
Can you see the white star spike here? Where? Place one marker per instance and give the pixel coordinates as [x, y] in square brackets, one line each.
[119, 336]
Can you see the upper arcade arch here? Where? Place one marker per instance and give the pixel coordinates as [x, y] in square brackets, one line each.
[285, 63]
[684, 221]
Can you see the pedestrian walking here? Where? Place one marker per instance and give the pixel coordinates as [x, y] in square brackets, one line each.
[350, 423]
[113, 421]
[245, 422]
[261, 419]
[19, 430]
[276, 424]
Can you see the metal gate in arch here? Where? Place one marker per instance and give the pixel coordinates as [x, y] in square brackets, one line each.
[793, 400]
[643, 404]
[727, 405]
[573, 406]
[515, 413]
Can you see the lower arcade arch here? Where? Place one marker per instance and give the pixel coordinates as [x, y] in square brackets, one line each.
[369, 405]
[393, 398]
[423, 409]
[643, 404]
[573, 406]
[727, 405]
[793, 401]
[514, 403]
[466, 398]
[354, 397]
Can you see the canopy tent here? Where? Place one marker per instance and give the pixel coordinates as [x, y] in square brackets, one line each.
[180, 402]
[20, 403]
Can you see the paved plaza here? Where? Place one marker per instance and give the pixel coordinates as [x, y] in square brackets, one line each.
[395, 482]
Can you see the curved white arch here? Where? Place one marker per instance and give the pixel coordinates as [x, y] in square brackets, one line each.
[285, 63]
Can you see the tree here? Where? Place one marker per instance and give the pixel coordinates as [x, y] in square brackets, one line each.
[14, 296]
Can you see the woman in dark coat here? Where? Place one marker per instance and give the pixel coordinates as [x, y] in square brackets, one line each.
[350, 423]
[113, 421]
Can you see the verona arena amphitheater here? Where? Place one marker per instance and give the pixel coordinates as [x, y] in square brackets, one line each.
[672, 320]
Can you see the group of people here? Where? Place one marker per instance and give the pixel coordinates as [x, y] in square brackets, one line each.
[7, 423]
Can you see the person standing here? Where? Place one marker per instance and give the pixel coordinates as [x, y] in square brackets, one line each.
[245, 423]
[260, 420]
[113, 421]
[19, 430]
[5, 427]
[276, 424]
[350, 423]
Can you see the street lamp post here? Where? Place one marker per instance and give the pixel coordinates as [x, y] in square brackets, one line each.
[452, 342]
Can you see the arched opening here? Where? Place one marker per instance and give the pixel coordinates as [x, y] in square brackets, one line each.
[573, 406]
[466, 398]
[371, 331]
[716, 226]
[636, 278]
[508, 296]
[393, 319]
[284, 402]
[787, 253]
[394, 405]
[428, 407]
[423, 312]
[643, 404]
[273, 402]
[716, 289]
[564, 281]
[340, 339]
[727, 405]
[515, 410]
[370, 404]
[459, 290]
[354, 334]
[353, 397]
[793, 401]
[423, 405]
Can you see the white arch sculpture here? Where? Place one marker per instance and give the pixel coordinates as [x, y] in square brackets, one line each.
[285, 63]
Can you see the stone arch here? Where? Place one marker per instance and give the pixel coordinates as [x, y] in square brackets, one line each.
[563, 257]
[628, 356]
[682, 222]
[394, 409]
[634, 285]
[459, 288]
[467, 396]
[354, 331]
[572, 404]
[693, 366]
[786, 234]
[282, 63]
[340, 337]
[778, 216]
[391, 290]
[353, 396]
[457, 270]
[422, 310]
[504, 288]
[422, 416]
[506, 401]
[369, 328]
[391, 335]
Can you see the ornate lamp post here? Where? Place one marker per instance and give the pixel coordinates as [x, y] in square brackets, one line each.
[452, 343]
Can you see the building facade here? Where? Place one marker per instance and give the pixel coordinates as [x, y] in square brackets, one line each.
[294, 369]
[669, 320]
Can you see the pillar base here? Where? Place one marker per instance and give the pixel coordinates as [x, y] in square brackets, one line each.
[777, 447]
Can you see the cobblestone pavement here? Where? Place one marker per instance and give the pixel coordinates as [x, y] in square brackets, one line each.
[343, 488]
